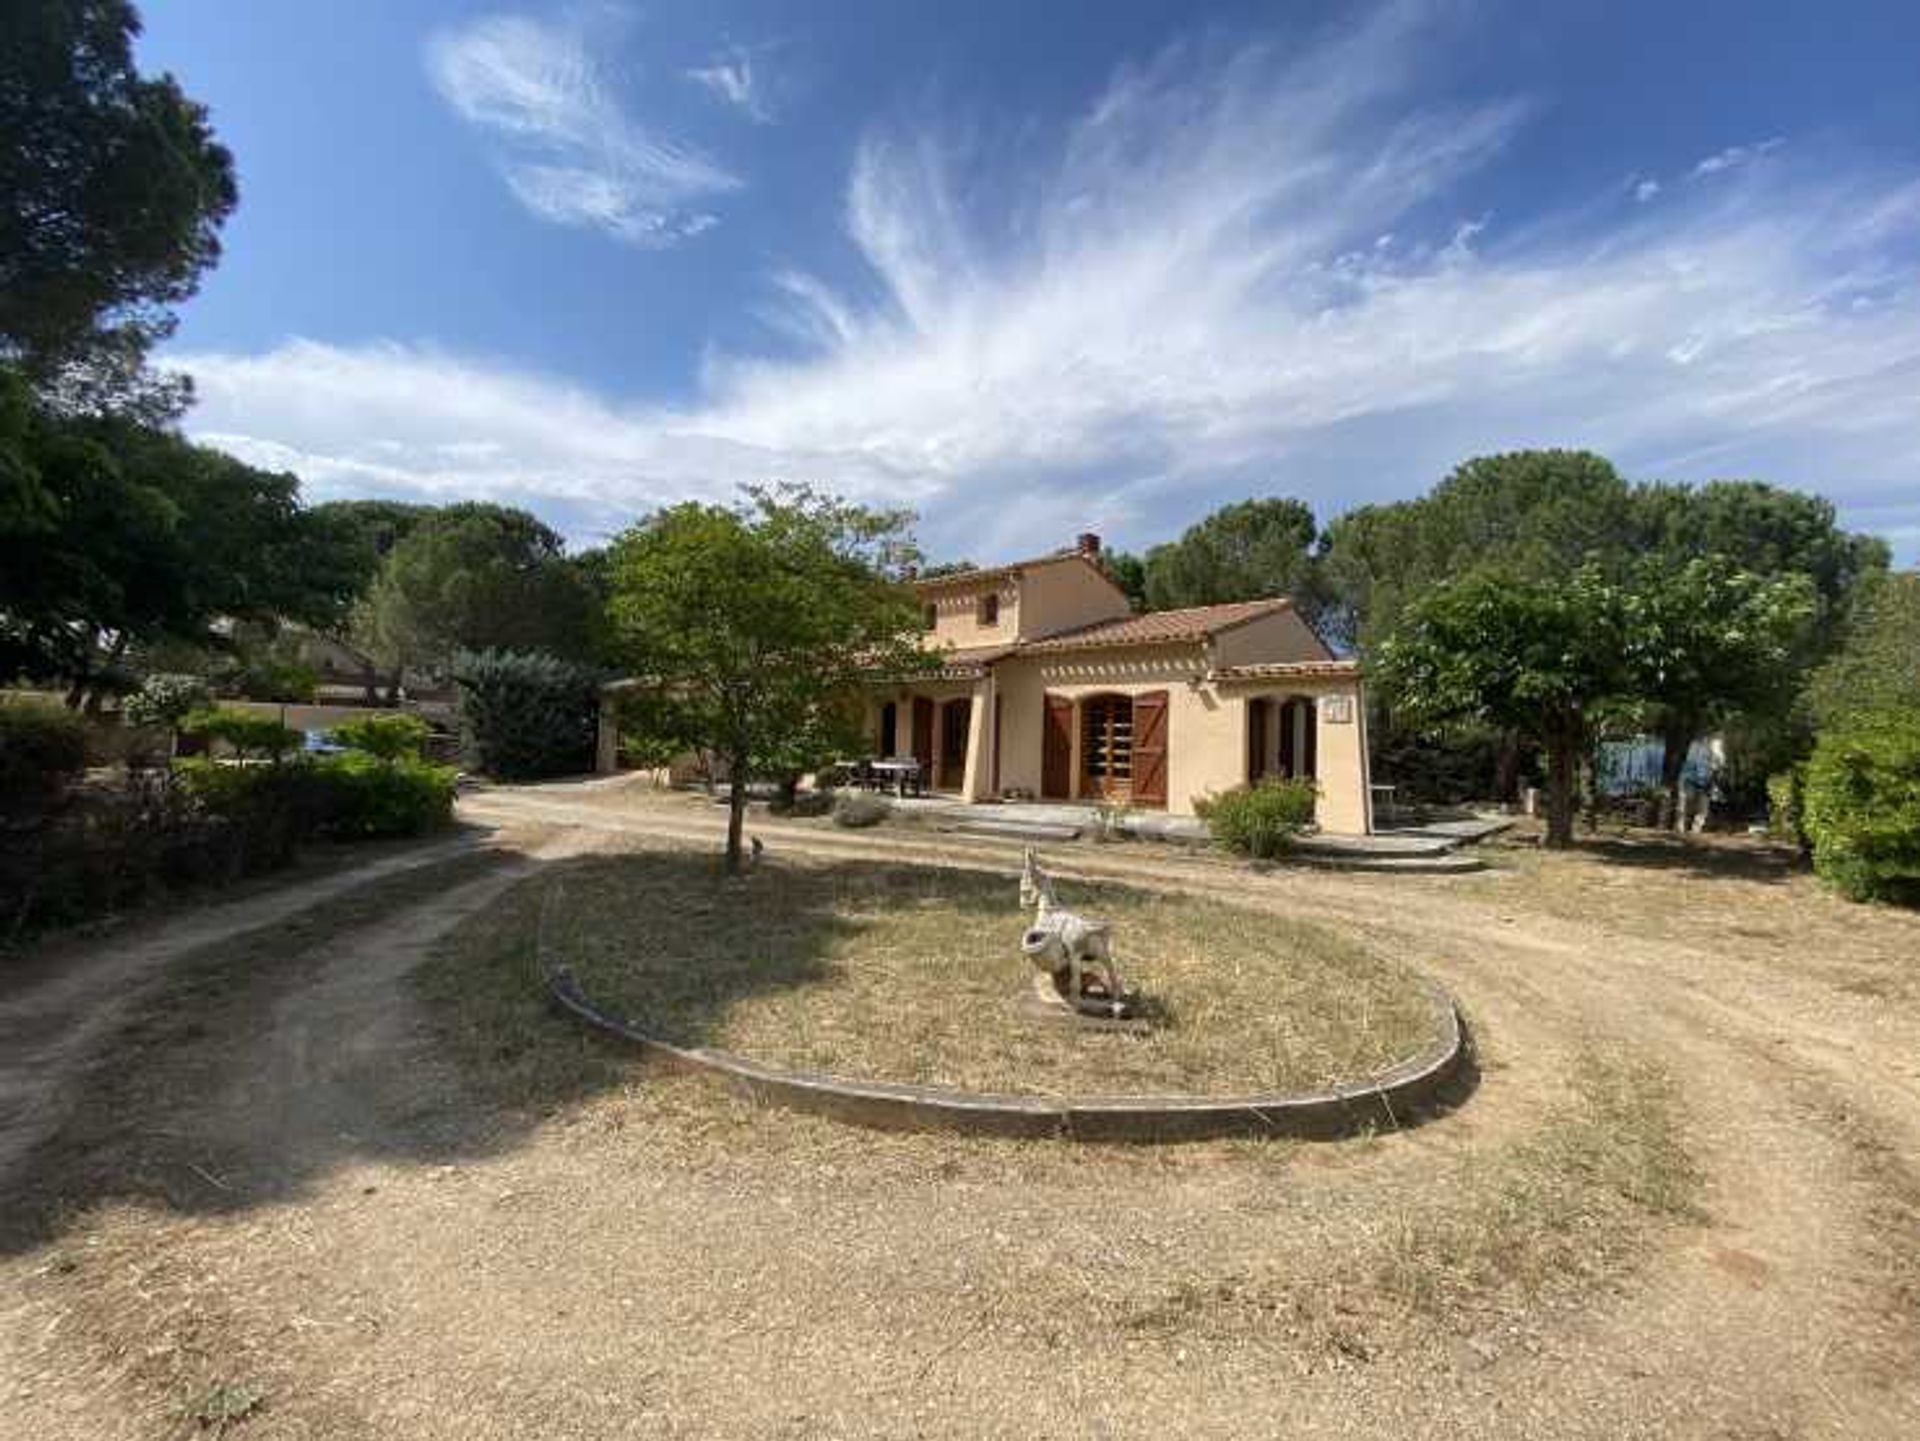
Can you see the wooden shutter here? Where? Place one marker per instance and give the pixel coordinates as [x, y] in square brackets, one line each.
[923, 736]
[1150, 748]
[1258, 710]
[1056, 753]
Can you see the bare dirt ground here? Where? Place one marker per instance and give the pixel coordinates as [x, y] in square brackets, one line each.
[281, 1194]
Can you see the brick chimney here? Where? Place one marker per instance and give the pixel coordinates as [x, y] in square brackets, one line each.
[1088, 544]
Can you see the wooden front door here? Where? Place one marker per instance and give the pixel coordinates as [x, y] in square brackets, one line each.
[1056, 750]
[889, 728]
[956, 717]
[1150, 748]
[923, 735]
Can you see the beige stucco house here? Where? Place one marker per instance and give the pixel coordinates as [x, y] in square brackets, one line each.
[1053, 689]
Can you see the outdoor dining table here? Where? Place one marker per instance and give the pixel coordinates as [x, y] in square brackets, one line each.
[898, 775]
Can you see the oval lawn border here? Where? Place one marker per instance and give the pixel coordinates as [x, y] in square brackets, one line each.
[1393, 1098]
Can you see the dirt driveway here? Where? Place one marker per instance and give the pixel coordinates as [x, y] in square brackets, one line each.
[272, 1199]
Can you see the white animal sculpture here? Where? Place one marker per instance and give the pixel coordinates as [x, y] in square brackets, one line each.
[1065, 945]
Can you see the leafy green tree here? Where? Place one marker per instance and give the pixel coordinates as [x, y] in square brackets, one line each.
[112, 194]
[1768, 533]
[138, 537]
[751, 630]
[1532, 514]
[477, 577]
[1877, 671]
[1705, 641]
[1529, 656]
[1129, 572]
[1245, 551]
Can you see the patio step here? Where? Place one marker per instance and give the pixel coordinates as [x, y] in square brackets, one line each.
[1444, 864]
[1020, 830]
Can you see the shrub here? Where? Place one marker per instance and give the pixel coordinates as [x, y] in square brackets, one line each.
[1863, 807]
[165, 700]
[859, 809]
[42, 749]
[524, 715]
[269, 679]
[363, 796]
[249, 735]
[384, 737]
[1787, 806]
[267, 810]
[1259, 821]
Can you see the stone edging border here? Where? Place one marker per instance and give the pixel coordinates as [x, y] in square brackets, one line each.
[1390, 1100]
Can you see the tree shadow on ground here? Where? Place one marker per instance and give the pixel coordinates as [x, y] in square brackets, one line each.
[1720, 859]
[262, 1064]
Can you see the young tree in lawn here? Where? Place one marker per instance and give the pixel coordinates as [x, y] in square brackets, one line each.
[751, 630]
[1705, 640]
[1536, 657]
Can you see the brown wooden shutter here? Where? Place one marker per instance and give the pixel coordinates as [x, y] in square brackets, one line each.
[923, 736]
[1258, 710]
[1056, 751]
[1150, 748]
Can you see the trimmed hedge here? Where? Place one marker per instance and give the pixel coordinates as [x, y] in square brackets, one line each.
[1863, 807]
[43, 749]
[364, 796]
[385, 737]
[246, 733]
[1259, 821]
[524, 715]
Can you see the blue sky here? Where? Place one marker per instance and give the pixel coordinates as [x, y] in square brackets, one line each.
[1036, 268]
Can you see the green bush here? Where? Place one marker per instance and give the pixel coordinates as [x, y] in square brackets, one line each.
[271, 679]
[165, 700]
[267, 811]
[364, 796]
[1787, 806]
[42, 749]
[524, 715]
[385, 737]
[1259, 821]
[1863, 807]
[249, 735]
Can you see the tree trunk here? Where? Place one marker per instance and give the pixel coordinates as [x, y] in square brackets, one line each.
[1506, 780]
[1563, 753]
[1676, 739]
[736, 809]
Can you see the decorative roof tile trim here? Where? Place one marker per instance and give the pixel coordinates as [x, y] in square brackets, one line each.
[1287, 669]
[1160, 627]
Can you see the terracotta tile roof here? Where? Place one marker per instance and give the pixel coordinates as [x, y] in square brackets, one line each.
[1159, 627]
[1282, 670]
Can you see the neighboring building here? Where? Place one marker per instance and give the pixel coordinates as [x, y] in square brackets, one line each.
[1054, 689]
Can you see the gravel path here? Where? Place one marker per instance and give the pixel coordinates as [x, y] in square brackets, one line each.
[391, 1261]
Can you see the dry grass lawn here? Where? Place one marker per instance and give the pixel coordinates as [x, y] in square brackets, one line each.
[913, 973]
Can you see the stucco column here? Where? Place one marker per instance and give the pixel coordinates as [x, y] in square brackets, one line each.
[606, 746]
[977, 783]
[1346, 797]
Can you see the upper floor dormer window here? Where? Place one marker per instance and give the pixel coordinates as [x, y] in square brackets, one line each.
[989, 608]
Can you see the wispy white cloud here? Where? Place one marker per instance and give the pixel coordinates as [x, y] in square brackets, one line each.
[1735, 156]
[1191, 301]
[1644, 188]
[738, 77]
[567, 145]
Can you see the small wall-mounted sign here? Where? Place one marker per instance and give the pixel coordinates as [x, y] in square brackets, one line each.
[1337, 710]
